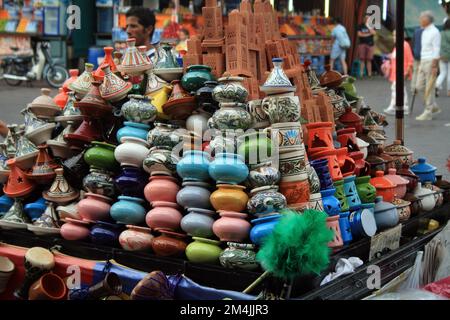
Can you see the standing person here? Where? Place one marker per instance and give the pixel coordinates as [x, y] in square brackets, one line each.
[183, 36]
[429, 64]
[408, 65]
[417, 48]
[444, 63]
[340, 45]
[141, 26]
[366, 46]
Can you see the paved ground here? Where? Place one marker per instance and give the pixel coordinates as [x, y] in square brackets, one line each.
[430, 139]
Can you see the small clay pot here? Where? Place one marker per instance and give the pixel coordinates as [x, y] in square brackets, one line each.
[229, 198]
[162, 188]
[169, 244]
[232, 227]
[164, 215]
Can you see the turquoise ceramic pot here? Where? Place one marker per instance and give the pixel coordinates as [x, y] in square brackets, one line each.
[101, 155]
[228, 168]
[263, 227]
[129, 210]
[133, 129]
[194, 166]
[195, 77]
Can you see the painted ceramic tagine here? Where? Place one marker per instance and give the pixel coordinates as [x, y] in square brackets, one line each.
[277, 82]
[47, 224]
[61, 98]
[17, 185]
[401, 154]
[74, 73]
[133, 62]
[43, 106]
[88, 131]
[60, 191]
[180, 104]
[15, 218]
[113, 88]
[83, 83]
[70, 113]
[99, 74]
[166, 66]
[93, 105]
[26, 151]
[43, 170]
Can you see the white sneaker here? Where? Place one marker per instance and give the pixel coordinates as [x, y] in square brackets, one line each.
[436, 110]
[425, 116]
[389, 111]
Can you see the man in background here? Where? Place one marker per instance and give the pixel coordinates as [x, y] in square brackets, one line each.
[417, 48]
[141, 26]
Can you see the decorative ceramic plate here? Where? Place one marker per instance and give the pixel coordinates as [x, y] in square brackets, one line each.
[41, 231]
[169, 74]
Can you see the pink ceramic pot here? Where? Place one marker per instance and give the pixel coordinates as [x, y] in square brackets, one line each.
[164, 215]
[136, 239]
[162, 188]
[94, 207]
[75, 230]
[402, 183]
[232, 227]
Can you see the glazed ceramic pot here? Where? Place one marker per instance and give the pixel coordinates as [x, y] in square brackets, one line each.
[425, 171]
[229, 198]
[362, 168]
[159, 99]
[69, 211]
[401, 183]
[74, 169]
[128, 210]
[376, 164]
[101, 155]
[351, 119]
[401, 154]
[93, 105]
[43, 106]
[204, 251]
[406, 173]
[232, 226]
[389, 160]
[228, 168]
[17, 185]
[73, 73]
[340, 195]
[180, 104]
[163, 135]
[194, 166]
[6, 204]
[194, 195]
[139, 109]
[239, 256]
[113, 87]
[108, 59]
[94, 207]
[132, 152]
[133, 62]
[162, 188]
[75, 230]
[403, 209]
[426, 196]
[261, 175]
[320, 136]
[323, 172]
[43, 170]
[386, 214]
[333, 163]
[164, 215]
[315, 202]
[105, 234]
[437, 192]
[266, 200]
[230, 89]
[198, 122]
[296, 190]
[277, 82]
[48, 287]
[385, 188]
[367, 192]
[198, 222]
[195, 77]
[131, 182]
[282, 108]
[161, 161]
[132, 129]
[169, 244]
[7, 269]
[331, 78]
[204, 95]
[346, 163]
[344, 226]
[351, 193]
[231, 116]
[136, 239]
[88, 131]
[288, 136]
[331, 204]
[293, 164]
[100, 182]
[260, 118]
[255, 147]
[83, 83]
[363, 223]
[262, 228]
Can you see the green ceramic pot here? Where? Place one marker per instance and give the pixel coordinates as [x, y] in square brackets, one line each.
[255, 147]
[340, 195]
[195, 77]
[367, 192]
[204, 251]
[101, 155]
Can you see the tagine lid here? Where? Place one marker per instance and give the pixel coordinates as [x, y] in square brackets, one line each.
[277, 81]
[331, 78]
[83, 83]
[44, 100]
[395, 178]
[423, 167]
[380, 181]
[350, 117]
[133, 60]
[60, 191]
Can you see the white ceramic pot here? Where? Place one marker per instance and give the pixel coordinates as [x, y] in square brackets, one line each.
[426, 197]
[363, 147]
[41, 134]
[198, 122]
[132, 152]
[6, 270]
[293, 163]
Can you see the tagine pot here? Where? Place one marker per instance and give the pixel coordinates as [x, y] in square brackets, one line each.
[180, 104]
[43, 170]
[198, 223]
[229, 198]
[161, 161]
[136, 239]
[385, 188]
[132, 152]
[266, 200]
[386, 214]
[401, 154]
[230, 89]
[194, 195]
[426, 196]
[346, 163]
[231, 116]
[83, 83]
[262, 228]
[239, 256]
[331, 78]
[73, 73]
[75, 230]
[169, 244]
[232, 227]
[42, 134]
[94, 207]
[15, 218]
[113, 88]
[105, 234]
[194, 166]
[17, 185]
[203, 251]
[93, 105]
[162, 188]
[164, 215]
[133, 62]
[61, 192]
[277, 82]
[131, 182]
[351, 119]
[128, 210]
[43, 106]
[331, 204]
[195, 77]
[108, 60]
[198, 121]
[87, 132]
[425, 171]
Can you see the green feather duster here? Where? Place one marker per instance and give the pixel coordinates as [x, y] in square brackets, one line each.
[297, 246]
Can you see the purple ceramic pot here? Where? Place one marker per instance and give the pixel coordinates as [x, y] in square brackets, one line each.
[132, 181]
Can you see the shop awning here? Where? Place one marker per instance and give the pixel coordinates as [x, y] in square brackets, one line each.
[413, 8]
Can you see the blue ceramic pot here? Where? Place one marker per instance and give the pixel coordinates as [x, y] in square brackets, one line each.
[106, 234]
[131, 182]
[386, 214]
[129, 210]
[228, 168]
[194, 166]
[344, 225]
[351, 193]
[323, 172]
[133, 129]
[331, 204]
[363, 223]
[5, 204]
[36, 209]
[425, 171]
[263, 227]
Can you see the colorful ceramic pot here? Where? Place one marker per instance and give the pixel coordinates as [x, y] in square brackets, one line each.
[232, 226]
[17, 185]
[320, 136]
[88, 131]
[43, 106]
[93, 105]
[376, 164]
[406, 173]
[346, 163]
[131, 182]
[180, 104]
[113, 87]
[340, 195]
[262, 228]
[266, 200]
[132, 152]
[128, 210]
[282, 108]
[239, 256]
[195, 77]
[101, 155]
[133, 62]
[425, 171]
[198, 122]
[351, 119]
[426, 196]
[198, 222]
[323, 172]
[163, 135]
[351, 193]
[288, 136]
[204, 251]
[313, 179]
[344, 226]
[293, 164]
[230, 89]
[194, 195]
[401, 183]
[401, 154]
[132, 129]
[73, 73]
[367, 192]
[260, 118]
[161, 161]
[139, 109]
[108, 59]
[15, 218]
[229, 198]
[43, 170]
[231, 116]
[386, 214]
[105, 234]
[228, 168]
[333, 225]
[194, 166]
[363, 223]
[75, 230]
[296, 190]
[94, 207]
[331, 204]
[385, 188]
[403, 209]
[261, 175]
[169, 244]
[136, 239]
[333, 163]
[164, 215]
[100, 182]
[255, 147]
[162, 188]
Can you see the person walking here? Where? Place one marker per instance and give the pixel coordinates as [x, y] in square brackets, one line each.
[340, 45]
[444, 63]
[429, 64]
[417, 48]
[366, 46]
[408, 69]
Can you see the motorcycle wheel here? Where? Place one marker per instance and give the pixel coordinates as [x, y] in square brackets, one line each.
[55, 75]
[12, 69]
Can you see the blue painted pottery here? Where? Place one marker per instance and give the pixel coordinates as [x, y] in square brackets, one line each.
[344, 225]
[194, 166]
[386, 214]
[331, 204]
[106, 234]
[133, 129]
[5, 204]
[36, 209]
[263, 227]
[129, 210]
[425, 171]
[363, 223]
[132, 181]
[351, 193]
[228, 168]
[323, 172]
[369, 206]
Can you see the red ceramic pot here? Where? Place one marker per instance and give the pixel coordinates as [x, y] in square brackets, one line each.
[94, 207]
[347, 138]
[385, 188]
[362, 167]
[333, 163]
[162, 188]
[232, 227]
[73, 77]
[351, 119]
[180, 104]
[320, 136]
[18, 185]
[400, 190]
[169, 244]
[108, 60]
[93, 105]
[164, 215]
[346, 163]
[88, 131]
[75, 230]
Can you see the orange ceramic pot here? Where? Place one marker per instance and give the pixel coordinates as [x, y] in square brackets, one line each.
[385, 188]
[61, 98]
[229, 198]
[17, 185]
[162, 188]
[351, 119]
[347, 138]
[333, 225]
[49, 287]
[164, 215]
[169, 244]
[402, 183]
[232, 227]
[320, 136]
[73, 77]
[296, 191]
[346, 163]
[362, 167]
[333, 163]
